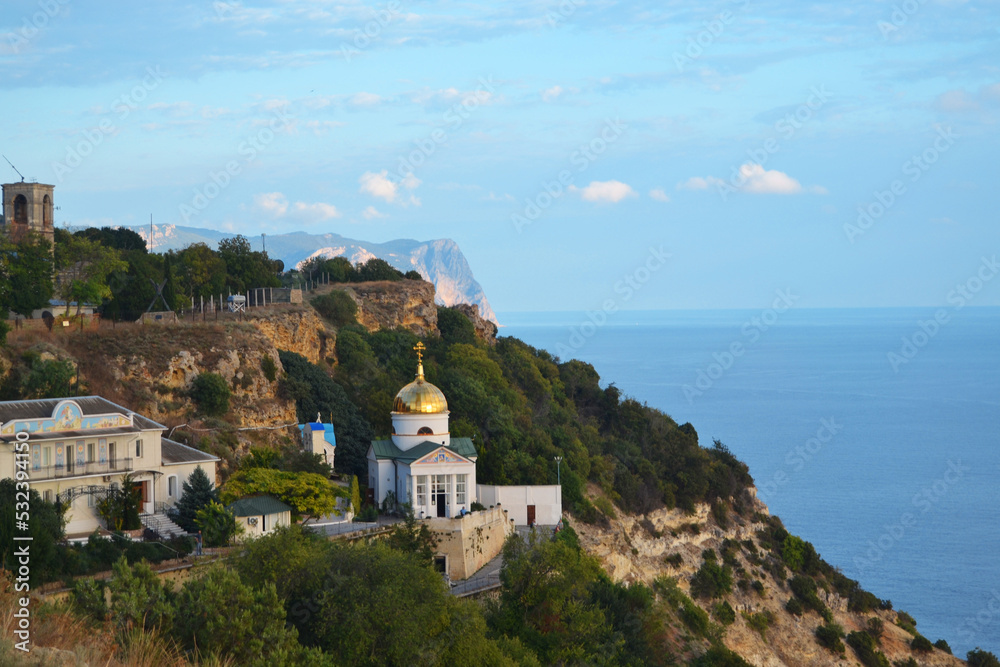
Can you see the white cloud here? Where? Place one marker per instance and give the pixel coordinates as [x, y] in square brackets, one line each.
[753, 178]
[276, 205]
[273, 203]
[657, 194]
[378, 185]
[317, 212]
[372, 213]
[550, 94]
[605, 191]
[762, 181]
[365, 99]
[699, 183]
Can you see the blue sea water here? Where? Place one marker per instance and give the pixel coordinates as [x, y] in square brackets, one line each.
[889, 465]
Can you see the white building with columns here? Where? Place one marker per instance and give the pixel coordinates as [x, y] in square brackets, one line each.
[421, 463]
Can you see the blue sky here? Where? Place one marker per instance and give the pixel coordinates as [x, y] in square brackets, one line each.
[562, 144]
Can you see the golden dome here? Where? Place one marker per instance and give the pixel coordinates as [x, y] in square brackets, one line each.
[420, 396]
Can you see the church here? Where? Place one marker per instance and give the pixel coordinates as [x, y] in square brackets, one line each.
[421, 463]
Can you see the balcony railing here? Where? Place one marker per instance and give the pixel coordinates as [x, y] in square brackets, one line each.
[111, 467]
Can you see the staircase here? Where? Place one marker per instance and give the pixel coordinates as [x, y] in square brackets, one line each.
[161, 524]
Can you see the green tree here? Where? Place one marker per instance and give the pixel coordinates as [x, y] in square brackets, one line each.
[120, 508]
[413, 538]
[455, 327]
[315, 392]
[355, 495]
[27, 267]
[85, 266]
[545, 599]
[211, 392]
[169, 291]
[377, 269]
[138, 598]
[197, 492]
[45, 529]
[246, 269]
[217, 524]
[218, 616]
[980, 658]
[309, 494]
[201, 272]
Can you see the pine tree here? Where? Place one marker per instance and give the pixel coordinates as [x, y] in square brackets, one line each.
[198, 492]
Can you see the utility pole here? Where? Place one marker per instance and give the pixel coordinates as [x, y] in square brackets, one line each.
[558, 470]
[263, 242]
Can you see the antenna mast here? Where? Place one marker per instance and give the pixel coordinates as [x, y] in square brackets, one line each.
[14, 168]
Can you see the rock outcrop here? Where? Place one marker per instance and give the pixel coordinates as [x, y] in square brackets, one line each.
[485, 329]
[297, 329]
[387, 305]
[634, 549]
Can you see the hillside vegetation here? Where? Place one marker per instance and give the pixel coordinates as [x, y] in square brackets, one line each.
[668, 558]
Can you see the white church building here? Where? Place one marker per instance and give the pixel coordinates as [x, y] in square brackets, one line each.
[421, 463]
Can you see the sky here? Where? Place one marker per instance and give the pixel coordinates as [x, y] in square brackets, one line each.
[584, 154]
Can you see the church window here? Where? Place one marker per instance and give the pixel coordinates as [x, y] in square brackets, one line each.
[425, 430]
[460, 489]
[421, 490]
[46, 212]
[21, 210]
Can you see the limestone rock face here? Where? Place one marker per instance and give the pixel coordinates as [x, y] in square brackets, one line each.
[485, 329]
[387, 305]
[633, 548]
[298, 330]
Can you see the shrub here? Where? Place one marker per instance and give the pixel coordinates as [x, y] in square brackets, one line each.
[794, 607]
[828, 636]
[921, 644]
[606, 507]
[909, 662]
[943, 645]
[875, 628]
[864, 648]
[720, 513]
[805, 590]
[269, 368]
[906, 622]
[711, 580]
[674, 560]
[759, 621]
[980, 658]
[337, 307]
[724, 613]
[217, 524]
[211, 392]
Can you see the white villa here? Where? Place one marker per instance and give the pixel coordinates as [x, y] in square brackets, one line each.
[421, 463]
[78, 448]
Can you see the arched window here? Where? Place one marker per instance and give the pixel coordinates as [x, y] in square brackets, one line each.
[425, 430]
[20, 210]
[47, 212]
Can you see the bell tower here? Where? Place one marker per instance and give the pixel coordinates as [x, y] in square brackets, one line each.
[28, 207]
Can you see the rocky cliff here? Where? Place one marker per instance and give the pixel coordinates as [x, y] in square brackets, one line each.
[672, 543]
[387, 305]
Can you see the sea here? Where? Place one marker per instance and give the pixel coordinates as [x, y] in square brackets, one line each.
[872, 433]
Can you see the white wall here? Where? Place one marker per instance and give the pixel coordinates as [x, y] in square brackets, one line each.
[515, 499]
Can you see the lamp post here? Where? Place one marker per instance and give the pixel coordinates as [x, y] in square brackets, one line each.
[558, 471]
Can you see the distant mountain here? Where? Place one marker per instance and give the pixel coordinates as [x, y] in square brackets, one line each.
[439, 261]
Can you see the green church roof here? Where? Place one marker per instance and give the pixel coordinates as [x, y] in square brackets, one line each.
[257, 506]
[386, 449]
